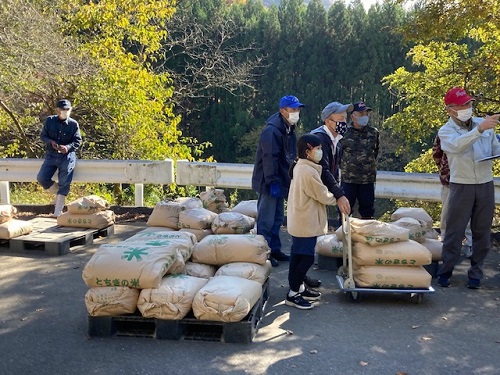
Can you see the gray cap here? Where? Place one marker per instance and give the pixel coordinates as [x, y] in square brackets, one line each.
[335, 107]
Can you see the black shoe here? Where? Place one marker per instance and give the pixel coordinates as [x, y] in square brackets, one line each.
[474, 284]
[298, 301]
[444, 282]
[274, 262]
[279, 255]
[312, 283]
[311, 295]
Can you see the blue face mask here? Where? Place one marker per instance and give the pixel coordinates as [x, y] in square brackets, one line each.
[362, 120]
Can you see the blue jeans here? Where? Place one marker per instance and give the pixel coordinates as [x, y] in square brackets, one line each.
[270, 215]
[365, 194]
[64, 163]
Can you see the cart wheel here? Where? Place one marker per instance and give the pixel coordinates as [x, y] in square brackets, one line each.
[354, 296]
[420, 297]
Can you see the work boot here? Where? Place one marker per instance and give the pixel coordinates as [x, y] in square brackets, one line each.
[60, 200]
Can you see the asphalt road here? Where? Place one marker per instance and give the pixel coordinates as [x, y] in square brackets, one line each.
[43, 328]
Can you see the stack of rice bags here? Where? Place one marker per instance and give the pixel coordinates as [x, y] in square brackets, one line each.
[151, 271]
[384, 256]
[420, 225]
[90, 211]
[11, 227]
[118, 273]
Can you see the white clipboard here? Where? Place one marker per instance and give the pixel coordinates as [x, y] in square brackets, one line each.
[489, 158]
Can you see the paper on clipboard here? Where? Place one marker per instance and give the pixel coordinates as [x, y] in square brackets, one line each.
[489, 158]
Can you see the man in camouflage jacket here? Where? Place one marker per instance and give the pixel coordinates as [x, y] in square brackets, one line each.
[360, 146]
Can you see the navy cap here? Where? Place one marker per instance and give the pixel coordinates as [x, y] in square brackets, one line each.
[290, 101]
[360, 107]
[335, 107]
[63, 104]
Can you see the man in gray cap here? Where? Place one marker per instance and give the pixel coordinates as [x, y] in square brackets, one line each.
[333, 116]
[62, 138]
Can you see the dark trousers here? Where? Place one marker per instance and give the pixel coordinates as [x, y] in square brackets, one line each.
[477, 203]
[364, 194]
[270, 215]
[301, 259]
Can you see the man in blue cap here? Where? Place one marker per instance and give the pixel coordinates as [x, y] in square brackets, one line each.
[62, 138]
[276, 150]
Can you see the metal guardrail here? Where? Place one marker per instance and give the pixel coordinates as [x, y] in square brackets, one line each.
[392, 185]
[138, 172]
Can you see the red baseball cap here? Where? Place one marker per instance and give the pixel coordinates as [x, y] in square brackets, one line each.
[457, 96]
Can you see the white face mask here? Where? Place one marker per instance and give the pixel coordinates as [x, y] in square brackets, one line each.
[64, 114]
[316, 155]
[293, 117]
[464, 114]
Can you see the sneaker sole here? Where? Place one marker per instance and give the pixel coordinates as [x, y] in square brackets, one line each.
[312, 299]
[470, 287]
[288, 303]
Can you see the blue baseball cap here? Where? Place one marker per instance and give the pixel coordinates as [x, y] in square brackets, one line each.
[290, 101]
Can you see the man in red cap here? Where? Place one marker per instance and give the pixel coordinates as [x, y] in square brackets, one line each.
[468, 140]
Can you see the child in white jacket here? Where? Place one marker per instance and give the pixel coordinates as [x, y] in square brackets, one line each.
[306, 218]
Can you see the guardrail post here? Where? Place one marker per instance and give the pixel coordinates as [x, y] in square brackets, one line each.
[139, 195]
[4, 192]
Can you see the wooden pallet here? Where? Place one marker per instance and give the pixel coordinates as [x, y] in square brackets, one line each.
[52, 239]
[188, 328]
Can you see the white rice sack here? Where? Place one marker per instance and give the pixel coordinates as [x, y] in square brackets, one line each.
[397, 277]
[417, 228]
[180, 242]
[205, 271]
[14, 228]
[127, 264]
[97, 220]
[374, 232]
[111, 301]
[157, 229]
[7, 212]
[166, 214]
[414, 212]
[214, 200]
[432, 234]
[435, 247]
[196, 218]
[164, 236]
[219, 249]
[190, 202]
[199, 233]
[88, 205]
[232, 223]
[328, 245]
[408, 253]
[226, 299]
[250, 271]
[172, 299]
[248, 208]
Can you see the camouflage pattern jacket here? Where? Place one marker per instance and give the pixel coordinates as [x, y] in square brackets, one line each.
[360, 150]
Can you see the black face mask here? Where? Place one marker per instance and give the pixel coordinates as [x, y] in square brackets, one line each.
[341, 128]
